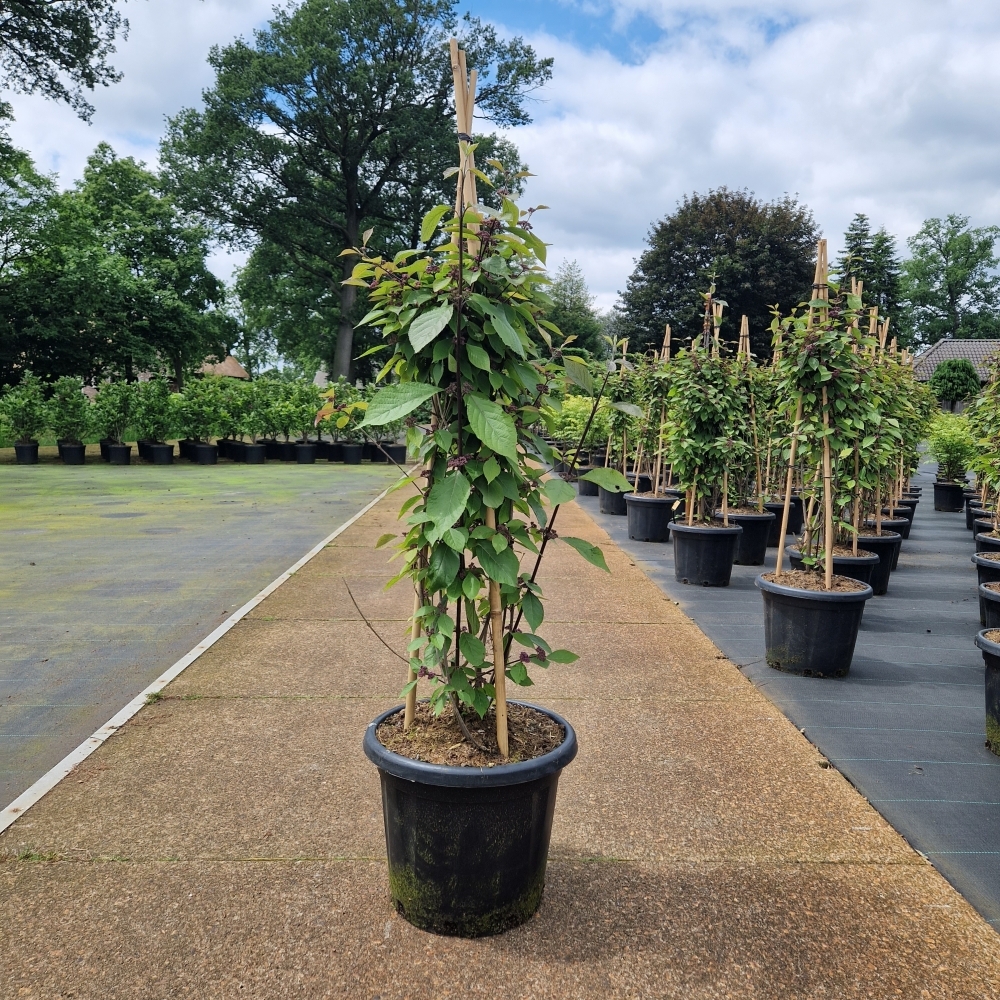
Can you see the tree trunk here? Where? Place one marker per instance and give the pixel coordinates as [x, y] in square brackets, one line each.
[348, 293]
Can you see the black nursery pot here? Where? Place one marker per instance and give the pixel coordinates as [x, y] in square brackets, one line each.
[649, 517]
[104, 442]
[376, 454]
[991, 657]
[897, 524]
[352, 454]
[900, 524]
[949, 496]
[752, 550]
[704, 556]
[286, 451]
[236, 451]
[886, 546]
[185, 449]
[811, 633]
[989, 601]
[467, 846]
[973, 511]
[583, 486]
[335, 452]
[645, 483]
[987, 571]
[305, 454]
[73, 454]
[611, 502]
[160, 454]
[859, 567]
[272, 449]
[205, 454]
[395, 453]
[120, 454]
[796, 517]
[255, 454]
[27, 453]
[984, 543]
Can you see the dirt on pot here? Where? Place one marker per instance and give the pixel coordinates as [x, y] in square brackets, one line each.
[844, 551]
[992, 556]
[995, 587]
[439, 739]
[802, 579]
[993, 635]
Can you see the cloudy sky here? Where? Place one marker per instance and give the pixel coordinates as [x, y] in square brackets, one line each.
[887, 107]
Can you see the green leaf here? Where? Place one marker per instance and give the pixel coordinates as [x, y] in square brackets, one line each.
[478, 357]
[396, 401]
[579, 374]
[447, 499]
[492, 425]
[428, 325]
[384, 540]
[518, 673]
[630, 408]
[533, 610]
[563, 656]
[608, 479]
[368, 317]
[491, 469]
[431, 220]
[502, 567]
[558, 491]
[589, 552]
[471, 586]
[472, 648]
[504, 330]
[492, 494]
[456, 538]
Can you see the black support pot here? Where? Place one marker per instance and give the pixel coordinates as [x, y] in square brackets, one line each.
[73, 453]
[286, 451]
[897, 524]
[796, 517]
[948, 496]
[859, 567]
[989, 601]
[159, 454]
[611, 502]
[205, 454]
[704, 556]
[335, 453]
[120, 454]
[991, 657]
[104, 442]
[649, 517]
[583, 486]
[987, 571]
[984, 543]
[886, 546]
[396, 453]
[812, 633]
[255, 454]
[352, 454]
[467, 846]
[752, 550]
[26, 453]
[305, 454]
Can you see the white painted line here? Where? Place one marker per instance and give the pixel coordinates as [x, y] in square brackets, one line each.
[50, 779]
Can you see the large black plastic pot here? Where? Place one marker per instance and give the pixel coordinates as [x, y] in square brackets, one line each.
[987, 571]
[27, 453]
[645, 483]
[948, 496]
[649, 517]
[991, 657]
[752, 550]
[185, 448]
[104, 442]
[812, 633]
[305, 454]
[73, 454]
[611, 502]
[120, 454]
[973, 512]
[236, 451]
[898, 524]
[286, 451]
[984, 543]
[989, 601]
[704, 556]
[205, 454]
[255, 454]
[376, 454]
[796, 516]
[159, 454]
[352, 454]
[886, 546]
[395, 453]
[272, 449]
[583, 486]
[859, 567]
[335, 453]
[467, 846]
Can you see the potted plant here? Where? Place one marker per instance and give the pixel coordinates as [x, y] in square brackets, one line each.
[113, 412]
[69, 417]
[253, 421]
[623, 414]
[200, 415]
[233, 400]
[467, 842]
[306, 400]
[23, 411]
[707, 436]
[952, 445]
[154, 419]
[811, 618]
[343, 411]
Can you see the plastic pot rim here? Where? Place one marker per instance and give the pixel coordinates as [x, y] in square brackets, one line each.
[448, 776]
[648, 501]
[834, 597]
[994, 563]
[766, 515]
[697, 529]
[987, 645]
[872, 558]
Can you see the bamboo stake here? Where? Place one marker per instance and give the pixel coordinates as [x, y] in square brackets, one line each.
[725, 498]
[855, 520]
[756, 454]
[827, 497]
[788, 487]
[665, 349]
[499, 658]
[659, 453]
[411, 695]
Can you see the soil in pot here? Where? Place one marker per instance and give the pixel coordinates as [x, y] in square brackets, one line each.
[845, 563]
[649, 516]
[611, 502]
[809, 630]
[73, 454]
[948, 496]
[704, 552]
[886, 546]
[757, 527]
[468, 845]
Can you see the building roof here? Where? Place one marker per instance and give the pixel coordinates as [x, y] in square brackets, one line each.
[230, 366]
[979, 352]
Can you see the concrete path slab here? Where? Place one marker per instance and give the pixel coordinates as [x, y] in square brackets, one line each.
[227, 841]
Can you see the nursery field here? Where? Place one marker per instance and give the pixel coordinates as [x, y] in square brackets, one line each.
[110, 574]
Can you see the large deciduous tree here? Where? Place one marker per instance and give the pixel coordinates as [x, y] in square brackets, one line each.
[760, 254]
[950, 284]
[337, 118]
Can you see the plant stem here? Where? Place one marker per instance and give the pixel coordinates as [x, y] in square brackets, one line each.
[827, 496]
[499, 653]
[788, 487]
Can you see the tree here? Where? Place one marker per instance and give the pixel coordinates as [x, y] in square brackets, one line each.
[58, 47]
[954, 380]
[950, 288]
[573, 310]
[873, 259]
[338, 118]
[761, 254]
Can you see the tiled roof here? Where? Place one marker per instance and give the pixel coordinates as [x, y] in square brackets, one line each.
[229, 366]
[979, 352]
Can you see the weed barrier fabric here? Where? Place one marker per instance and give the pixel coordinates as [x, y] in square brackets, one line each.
[906, 726]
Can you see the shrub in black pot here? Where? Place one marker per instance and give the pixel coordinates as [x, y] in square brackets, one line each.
[757, 527]
[704, 553]
[113, 410]
[69, 417]
[200, 416]
[305, 453]
[649, 516]
[466, 854]
[155, 418]
[24, 414]
[987, 571]
[886, 547]
[988, 640]
[353, 452]
[952, 445]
